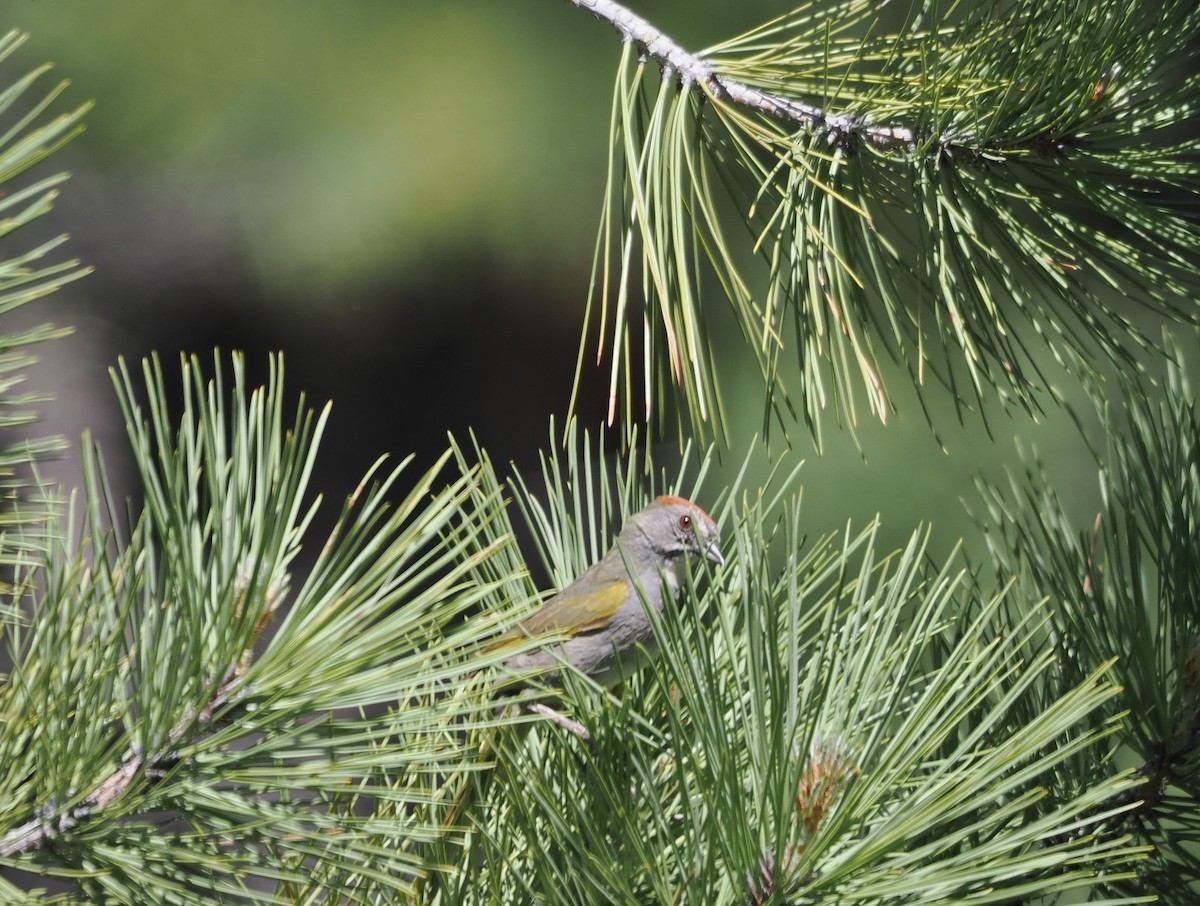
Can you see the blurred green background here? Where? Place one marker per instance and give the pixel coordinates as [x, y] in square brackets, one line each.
[403, 198]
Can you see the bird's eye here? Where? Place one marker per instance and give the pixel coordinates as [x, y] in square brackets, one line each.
[685, 522]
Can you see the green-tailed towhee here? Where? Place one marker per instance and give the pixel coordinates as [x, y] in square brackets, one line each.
[600, 618]
[598, 622]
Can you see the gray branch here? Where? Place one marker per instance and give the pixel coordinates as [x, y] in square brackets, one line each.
[51, 822]
[693, 69]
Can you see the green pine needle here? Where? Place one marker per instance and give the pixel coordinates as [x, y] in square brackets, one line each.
[987, 184]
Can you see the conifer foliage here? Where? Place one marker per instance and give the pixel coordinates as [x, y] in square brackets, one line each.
[201, 701]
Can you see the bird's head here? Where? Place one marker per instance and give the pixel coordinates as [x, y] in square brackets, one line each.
[675, 527]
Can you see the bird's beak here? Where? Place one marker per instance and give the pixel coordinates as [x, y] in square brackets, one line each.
[713, 552]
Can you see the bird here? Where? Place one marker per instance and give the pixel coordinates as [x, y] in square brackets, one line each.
[598, 623]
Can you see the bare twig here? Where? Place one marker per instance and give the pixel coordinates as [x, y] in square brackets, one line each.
[1160, 769]
[50, 822]
[571, 726]
[693, 69]
[845, 131]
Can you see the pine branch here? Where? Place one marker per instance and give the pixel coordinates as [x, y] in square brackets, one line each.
[845, 130]
[145, 685]
[27, 137]
[804, 734]
[41, 830]
[1161, 769]
[1127, 588]
[941, 198]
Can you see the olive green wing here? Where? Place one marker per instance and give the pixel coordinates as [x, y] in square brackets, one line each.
[569, 613]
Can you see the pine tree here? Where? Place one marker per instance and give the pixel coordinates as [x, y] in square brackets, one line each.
[187, 715]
